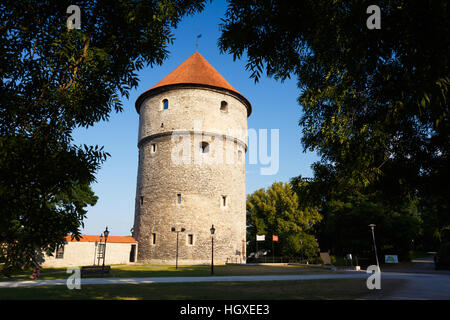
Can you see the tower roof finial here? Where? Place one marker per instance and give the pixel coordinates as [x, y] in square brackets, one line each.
[196, 43]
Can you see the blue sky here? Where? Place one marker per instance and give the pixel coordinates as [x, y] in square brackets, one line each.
[274, 105]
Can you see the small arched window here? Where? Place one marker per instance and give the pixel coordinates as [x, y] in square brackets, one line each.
[204, 147]
[165, 104]
[224, 106]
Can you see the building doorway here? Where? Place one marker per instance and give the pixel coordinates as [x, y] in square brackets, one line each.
[133, 253]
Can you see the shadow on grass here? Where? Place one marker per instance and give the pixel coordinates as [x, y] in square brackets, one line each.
[335, 289]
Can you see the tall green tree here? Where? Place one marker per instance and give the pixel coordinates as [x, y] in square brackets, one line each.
[348, 208]
[53, 80]
[375, 101]
[276, 211]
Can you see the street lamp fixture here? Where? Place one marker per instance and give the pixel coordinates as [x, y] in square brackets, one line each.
[372, 227]
[175, 230]
[212, 248]
[106, 233]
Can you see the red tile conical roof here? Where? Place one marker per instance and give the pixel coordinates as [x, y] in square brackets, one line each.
[195, 71]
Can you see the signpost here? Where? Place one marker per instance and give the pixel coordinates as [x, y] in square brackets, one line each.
[259, 238]
[274, 239]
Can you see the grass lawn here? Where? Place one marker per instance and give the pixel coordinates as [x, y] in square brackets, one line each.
[272, 290]
[136, 271]
[419, 254]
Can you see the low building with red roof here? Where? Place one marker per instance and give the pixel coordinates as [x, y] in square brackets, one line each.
[89, 250]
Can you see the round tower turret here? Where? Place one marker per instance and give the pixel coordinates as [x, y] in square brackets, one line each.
[191, 174]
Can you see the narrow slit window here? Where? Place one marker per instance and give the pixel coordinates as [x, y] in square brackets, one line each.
[179, 198]
[191, 239]
[153, 147]
[153, 238]
[141, 200]
[165, 104]
[240, 155]
[224, 201]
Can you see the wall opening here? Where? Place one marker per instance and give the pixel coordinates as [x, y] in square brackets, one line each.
[165, 104]
[224, 106]
[60, 252]
[190, 239]
[224, 201]
[204, 147]
[179, 198]
[153, 238]
[133, 253]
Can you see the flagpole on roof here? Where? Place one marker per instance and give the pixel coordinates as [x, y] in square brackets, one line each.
[196, 43]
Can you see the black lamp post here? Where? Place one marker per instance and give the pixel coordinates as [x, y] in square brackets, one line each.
[176, 259]
[106, 234]
[212, 248]
[301, 251]
[372, 226]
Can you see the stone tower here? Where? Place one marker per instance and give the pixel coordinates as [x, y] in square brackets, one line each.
[191, 175]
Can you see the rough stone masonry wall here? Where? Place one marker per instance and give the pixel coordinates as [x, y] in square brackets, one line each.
[201, 185]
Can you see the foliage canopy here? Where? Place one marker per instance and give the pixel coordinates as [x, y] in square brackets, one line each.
[53, 80]
[276, 211]
[375, 102]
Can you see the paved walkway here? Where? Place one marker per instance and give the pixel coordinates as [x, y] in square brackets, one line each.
[419, 286]
[88, 281]
[422, 282]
